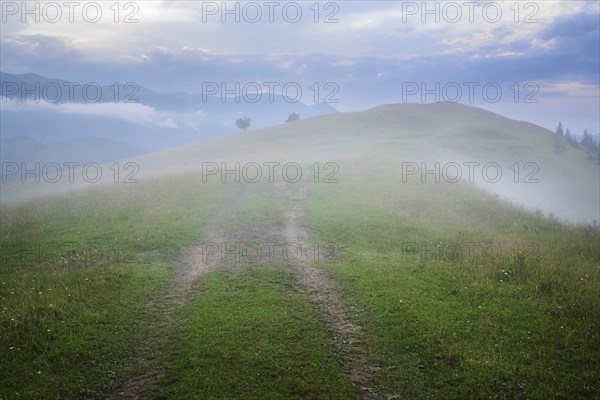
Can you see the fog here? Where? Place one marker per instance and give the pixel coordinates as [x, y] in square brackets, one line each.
[299, 199]
[435, 144]
[153, 89]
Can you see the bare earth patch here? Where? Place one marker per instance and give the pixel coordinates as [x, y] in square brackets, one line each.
[316, 283]
[189, 267]
[321, 287]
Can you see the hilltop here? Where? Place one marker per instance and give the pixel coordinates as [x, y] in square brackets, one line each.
[532, 173]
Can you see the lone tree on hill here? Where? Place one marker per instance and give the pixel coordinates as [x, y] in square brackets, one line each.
[243, 123]
[292, 117]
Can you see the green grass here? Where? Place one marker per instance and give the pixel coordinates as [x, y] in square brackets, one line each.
[70, 333]
[257, 212]
[253, 335]
[251, 332]
[440, 324]
[444, 325]
[71, 319]
[77, 319]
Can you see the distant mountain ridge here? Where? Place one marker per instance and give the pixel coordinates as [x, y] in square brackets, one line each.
[132, 92]
[101, 122]
[532, 171]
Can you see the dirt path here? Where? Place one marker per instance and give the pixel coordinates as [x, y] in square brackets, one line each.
[322, 288]
[291, 228]
[190, 266]
[194, 263]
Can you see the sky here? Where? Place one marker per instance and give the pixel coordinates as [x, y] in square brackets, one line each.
[534, 61]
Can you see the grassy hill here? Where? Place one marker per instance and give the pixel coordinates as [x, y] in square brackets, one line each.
[360, 282]
[563, 184]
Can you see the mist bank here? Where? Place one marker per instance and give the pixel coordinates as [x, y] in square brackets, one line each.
[55, 120]
[427, 144]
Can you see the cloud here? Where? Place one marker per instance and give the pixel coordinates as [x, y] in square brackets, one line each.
[135, 113]
[192, 125]
[36, 50]
[168, 123]
[368, 53]
[570, 88]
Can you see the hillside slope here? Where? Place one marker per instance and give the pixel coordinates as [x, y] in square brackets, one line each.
[448, 134]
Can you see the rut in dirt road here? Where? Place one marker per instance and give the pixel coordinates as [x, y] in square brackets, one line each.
[189, 267]
[322, 288]
[224, 227]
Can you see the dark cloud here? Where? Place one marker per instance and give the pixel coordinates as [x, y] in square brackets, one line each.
[566, 50]
[37, 52]
[574, 26]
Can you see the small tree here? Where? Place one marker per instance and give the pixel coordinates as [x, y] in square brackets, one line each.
[588, 141]
[243, 123]
[568, 137]
[292, 117]
[559, 146]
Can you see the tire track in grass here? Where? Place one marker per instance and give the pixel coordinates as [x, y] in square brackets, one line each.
[316, 283]
[323, 289]
[188, 267]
